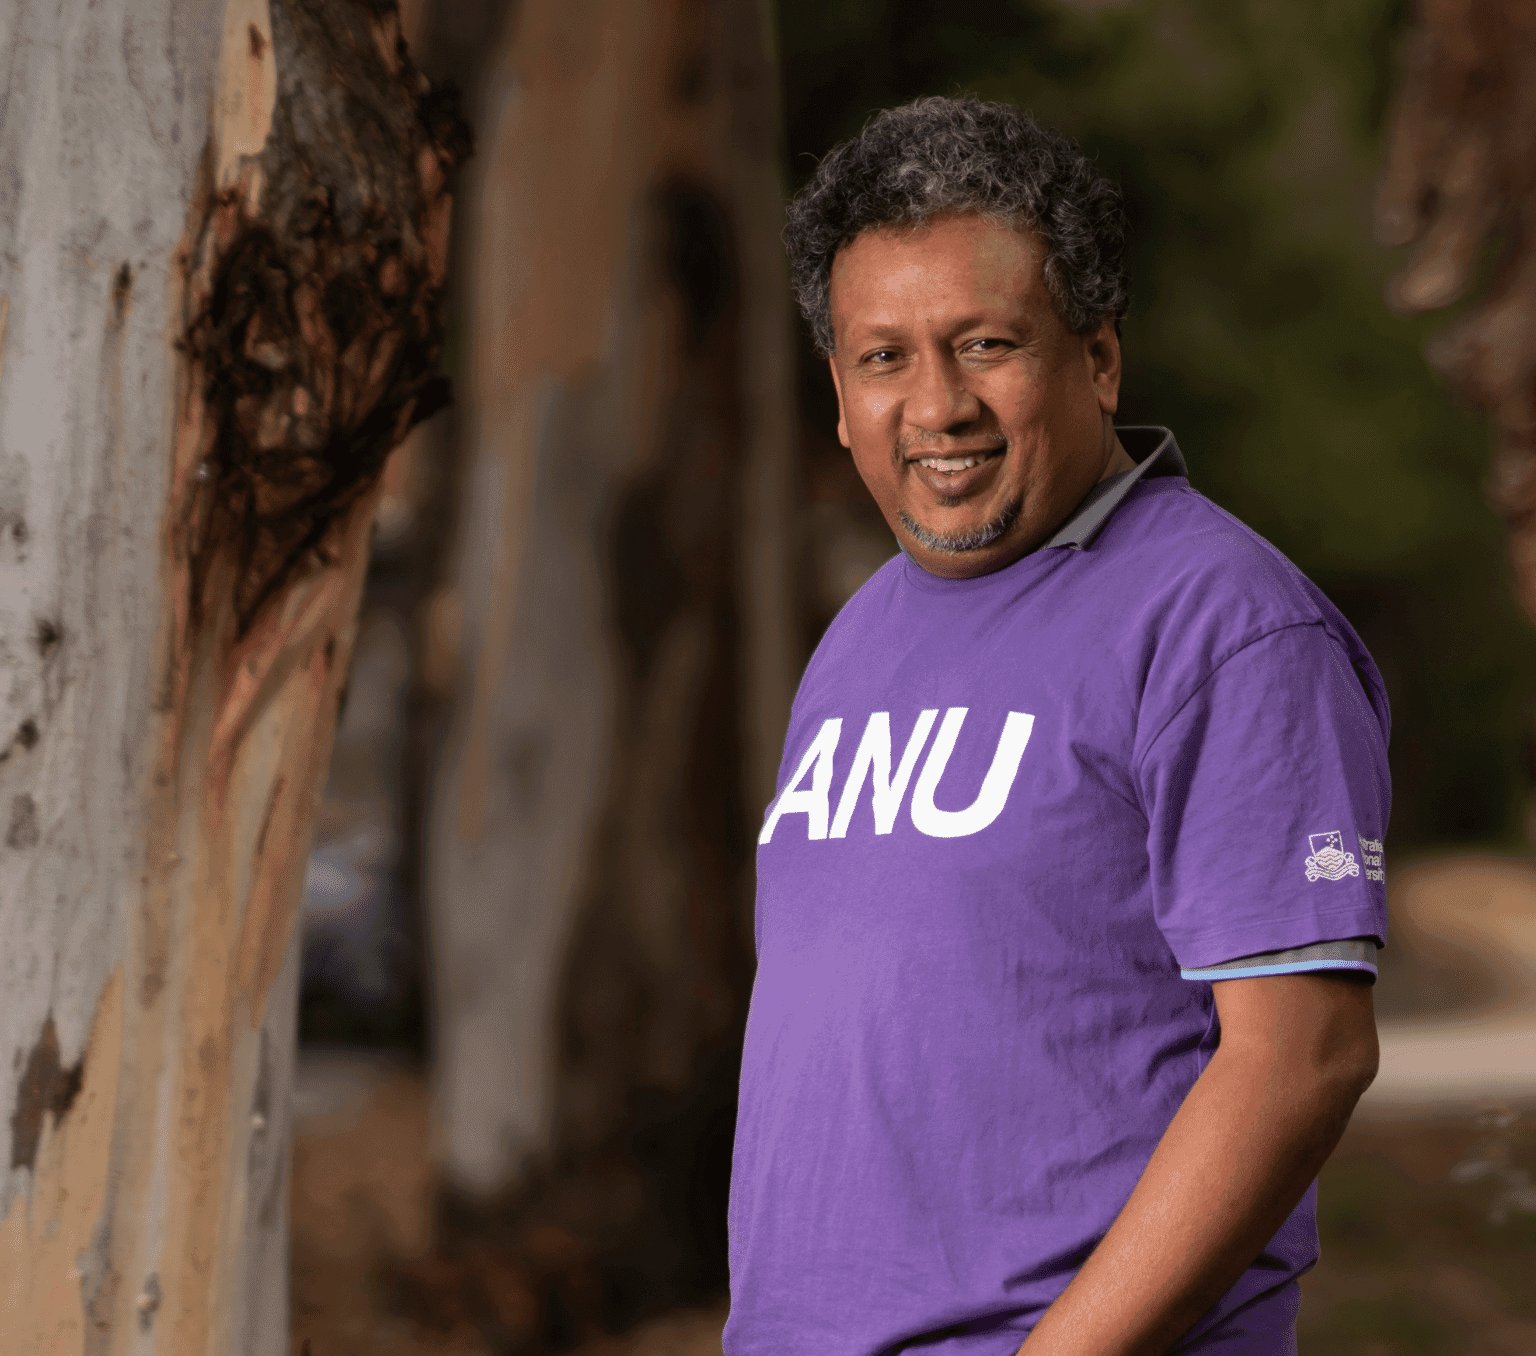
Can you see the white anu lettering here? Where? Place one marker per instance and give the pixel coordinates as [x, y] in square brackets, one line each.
[813, 802]
[874, 758]
[989, 802]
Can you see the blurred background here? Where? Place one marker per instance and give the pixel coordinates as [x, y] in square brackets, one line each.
[596, 578]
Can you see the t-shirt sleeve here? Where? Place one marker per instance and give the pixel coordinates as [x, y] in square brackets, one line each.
[1267, 795]
[1352, 956]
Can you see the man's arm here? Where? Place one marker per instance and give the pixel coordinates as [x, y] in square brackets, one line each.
[1296, 1053]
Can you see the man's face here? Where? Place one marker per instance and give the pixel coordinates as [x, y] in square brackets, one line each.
[977, 419]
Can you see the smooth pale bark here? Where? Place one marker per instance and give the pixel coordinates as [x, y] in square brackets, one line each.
[222, 236]
[620, 605]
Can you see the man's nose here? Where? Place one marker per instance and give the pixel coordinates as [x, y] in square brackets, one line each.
[940, 399]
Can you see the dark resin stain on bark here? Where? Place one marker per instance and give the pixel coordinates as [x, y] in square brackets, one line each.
[319, 339]
[45, 1086]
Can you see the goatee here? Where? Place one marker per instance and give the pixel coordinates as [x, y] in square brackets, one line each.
[971, 539]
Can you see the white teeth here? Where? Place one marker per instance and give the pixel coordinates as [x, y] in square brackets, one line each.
[951, 463]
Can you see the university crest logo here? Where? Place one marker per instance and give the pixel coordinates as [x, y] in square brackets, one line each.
[1329, 861]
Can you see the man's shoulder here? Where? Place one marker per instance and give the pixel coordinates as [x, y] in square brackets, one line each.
[873, 594]
[1170, 543]
[862, 612]
[1169, 567]
[1203, 586]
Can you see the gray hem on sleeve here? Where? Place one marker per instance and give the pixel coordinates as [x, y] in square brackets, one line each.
[1356, 954]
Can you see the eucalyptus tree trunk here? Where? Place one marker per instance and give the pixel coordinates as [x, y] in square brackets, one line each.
[620, 606]
[222, 239]
[1460, 177]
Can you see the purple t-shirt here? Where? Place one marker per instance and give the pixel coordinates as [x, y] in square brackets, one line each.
[1011, 809]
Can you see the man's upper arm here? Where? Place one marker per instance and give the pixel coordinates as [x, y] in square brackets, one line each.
[1267, 796]
[1317, 1029]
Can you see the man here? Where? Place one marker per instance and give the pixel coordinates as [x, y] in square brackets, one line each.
[1069, 899]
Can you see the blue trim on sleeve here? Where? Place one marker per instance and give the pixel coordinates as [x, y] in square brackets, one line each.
[1288, 968]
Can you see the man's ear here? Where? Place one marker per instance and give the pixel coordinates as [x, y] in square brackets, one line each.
[1102, 351]
[842, 417]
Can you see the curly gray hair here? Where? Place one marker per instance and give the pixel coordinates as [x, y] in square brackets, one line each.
[935, 155]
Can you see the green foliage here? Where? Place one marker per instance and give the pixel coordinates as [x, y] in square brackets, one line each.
[1247, 135]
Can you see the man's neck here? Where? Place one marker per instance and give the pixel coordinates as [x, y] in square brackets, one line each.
[1116, 458]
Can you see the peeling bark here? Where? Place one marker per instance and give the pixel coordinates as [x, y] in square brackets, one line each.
[317, 338]
[212, 332]
[619, 612]
[1461, 178]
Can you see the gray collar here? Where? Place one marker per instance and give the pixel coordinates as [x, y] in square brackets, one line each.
[1155, 453]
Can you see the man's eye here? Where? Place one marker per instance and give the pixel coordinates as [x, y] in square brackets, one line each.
[881, 356]
[988, 345]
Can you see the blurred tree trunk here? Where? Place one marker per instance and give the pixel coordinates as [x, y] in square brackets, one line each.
[222, 241]
[618, 619]
[1461, 177]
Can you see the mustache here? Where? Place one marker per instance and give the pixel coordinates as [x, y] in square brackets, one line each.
[910, 446]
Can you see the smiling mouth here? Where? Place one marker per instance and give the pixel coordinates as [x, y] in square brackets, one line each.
[954, 465]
